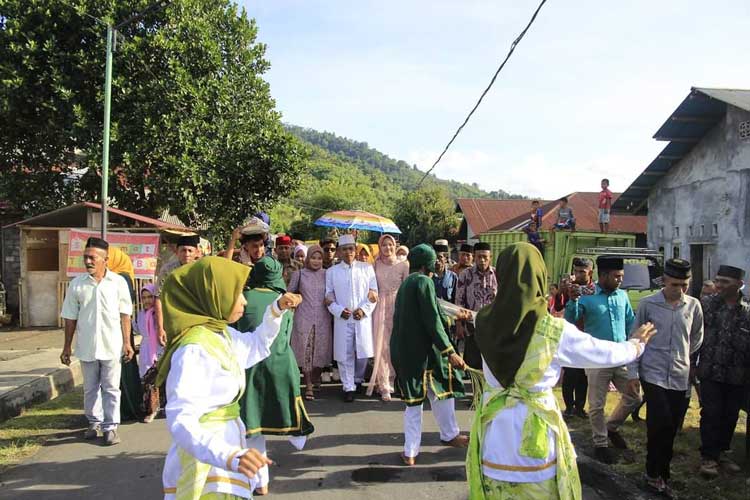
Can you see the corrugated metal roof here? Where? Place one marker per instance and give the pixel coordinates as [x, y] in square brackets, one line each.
[71, 213]
[698, 113]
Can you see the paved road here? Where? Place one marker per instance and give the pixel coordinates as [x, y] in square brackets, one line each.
[353, 454]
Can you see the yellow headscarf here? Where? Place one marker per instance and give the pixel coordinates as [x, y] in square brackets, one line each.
[368, 251]
[119, 262]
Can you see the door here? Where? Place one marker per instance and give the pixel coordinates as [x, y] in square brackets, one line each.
[696, 263]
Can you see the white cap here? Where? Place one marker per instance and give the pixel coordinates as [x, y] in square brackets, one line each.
[443, 243]
[347, 239]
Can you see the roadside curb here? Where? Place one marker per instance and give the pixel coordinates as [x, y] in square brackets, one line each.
[47, 386]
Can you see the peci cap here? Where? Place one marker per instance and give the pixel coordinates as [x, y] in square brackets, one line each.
[95, 242]
[189, 240]
[608, 263]
[731, 272]
[678, 268]
[465, 247]
[347, 239]
[283, 241]
[482, 246]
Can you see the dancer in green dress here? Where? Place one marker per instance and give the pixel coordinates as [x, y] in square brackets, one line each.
[272, 404]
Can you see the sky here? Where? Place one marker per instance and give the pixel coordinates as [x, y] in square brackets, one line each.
[579, 100]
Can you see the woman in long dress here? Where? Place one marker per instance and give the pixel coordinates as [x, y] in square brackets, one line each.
[312, 336]
[519, 445]
[390, 273]
[204, 369]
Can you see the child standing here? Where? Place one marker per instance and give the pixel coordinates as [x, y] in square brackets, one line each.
[536, 213]
[150, 349]
[605, 203]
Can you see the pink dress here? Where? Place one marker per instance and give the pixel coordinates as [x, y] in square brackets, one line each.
[312, 335]
[389, 276]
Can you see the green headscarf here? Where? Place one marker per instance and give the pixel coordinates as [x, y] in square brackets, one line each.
[199, 294]
[504, 328]
[422, 256]
[267, 273]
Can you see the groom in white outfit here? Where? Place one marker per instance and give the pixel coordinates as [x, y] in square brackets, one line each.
[348, 294]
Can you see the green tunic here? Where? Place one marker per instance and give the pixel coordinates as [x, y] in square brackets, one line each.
[420, 344]
[272, 403]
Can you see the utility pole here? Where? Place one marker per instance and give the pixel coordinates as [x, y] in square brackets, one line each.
[105, 145]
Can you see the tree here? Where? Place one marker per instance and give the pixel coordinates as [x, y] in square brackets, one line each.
[194, 127]
[425, 215]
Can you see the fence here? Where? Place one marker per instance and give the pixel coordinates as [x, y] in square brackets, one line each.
[62, 289]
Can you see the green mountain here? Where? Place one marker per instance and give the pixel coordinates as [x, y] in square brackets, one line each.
[370, 160]
[346, 174]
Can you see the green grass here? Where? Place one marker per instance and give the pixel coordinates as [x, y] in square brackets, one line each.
[686, 480]
[22, 436]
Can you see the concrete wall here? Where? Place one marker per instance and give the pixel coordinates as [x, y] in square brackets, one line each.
[10, 272]
[704, 200]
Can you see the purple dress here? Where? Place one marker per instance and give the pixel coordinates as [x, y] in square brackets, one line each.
[312, 335]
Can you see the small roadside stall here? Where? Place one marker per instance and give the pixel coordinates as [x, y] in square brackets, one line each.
[43, 253]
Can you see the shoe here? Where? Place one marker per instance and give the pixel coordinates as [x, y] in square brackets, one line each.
[91, 433]
[604, 455]
[581, 413]
[460, 441]
[261, 491]
[111, 438]
[360, 388]
[349, 397]
[709, 468]
[408, 461]
[617, 440]
[654, 484]
[728, 464]
[385, 397]
[568, 413]
[149, 418]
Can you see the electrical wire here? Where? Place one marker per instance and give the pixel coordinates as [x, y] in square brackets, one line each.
[492, 82]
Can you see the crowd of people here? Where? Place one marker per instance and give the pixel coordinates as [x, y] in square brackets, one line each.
[406, 323]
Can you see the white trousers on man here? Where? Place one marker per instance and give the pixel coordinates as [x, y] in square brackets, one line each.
[445, 416]
[101, 392]
[258, 442]
[352, 369]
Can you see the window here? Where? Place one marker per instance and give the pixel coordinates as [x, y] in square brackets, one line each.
[676, 232]
[744, 131]
[676, 252]
[702, 230]
[661, 232]
[690, 230]
[714, 230]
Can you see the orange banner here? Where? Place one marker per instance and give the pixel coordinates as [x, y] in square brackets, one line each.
[143, 250]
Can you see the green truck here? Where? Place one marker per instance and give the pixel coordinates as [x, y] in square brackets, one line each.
[643, 267]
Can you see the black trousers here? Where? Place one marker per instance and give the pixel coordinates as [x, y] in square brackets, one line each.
[719, 414]
[574, 387]
[666, 411]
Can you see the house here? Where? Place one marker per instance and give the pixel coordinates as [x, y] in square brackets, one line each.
[35, 255]
[696, 192]
[483, 216]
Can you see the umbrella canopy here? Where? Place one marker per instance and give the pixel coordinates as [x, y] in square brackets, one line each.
[357, 219]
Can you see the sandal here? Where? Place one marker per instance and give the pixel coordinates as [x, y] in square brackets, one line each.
[309, 394]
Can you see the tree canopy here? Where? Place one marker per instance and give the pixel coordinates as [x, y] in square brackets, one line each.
[194, 128]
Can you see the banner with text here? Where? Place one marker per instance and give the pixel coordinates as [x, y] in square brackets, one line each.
[143, 250]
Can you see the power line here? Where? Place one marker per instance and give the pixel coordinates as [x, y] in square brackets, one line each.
[492, 82]
[80, 12]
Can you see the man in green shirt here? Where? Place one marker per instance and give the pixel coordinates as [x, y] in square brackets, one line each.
[426, 364]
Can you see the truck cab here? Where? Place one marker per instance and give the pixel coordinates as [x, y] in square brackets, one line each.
[643, 269]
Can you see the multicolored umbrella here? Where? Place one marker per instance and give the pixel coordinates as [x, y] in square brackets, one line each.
[357, 219]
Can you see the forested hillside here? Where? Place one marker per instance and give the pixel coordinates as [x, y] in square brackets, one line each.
[345, 174]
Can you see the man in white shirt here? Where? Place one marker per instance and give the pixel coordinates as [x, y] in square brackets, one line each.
[348, 295]
[98, 306]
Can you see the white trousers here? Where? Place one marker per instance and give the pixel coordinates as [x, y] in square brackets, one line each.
[445, 416]
[259, 443]
[101, 392]
[352, 369]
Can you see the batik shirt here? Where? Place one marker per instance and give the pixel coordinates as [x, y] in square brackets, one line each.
[725, 354]
[475, 289]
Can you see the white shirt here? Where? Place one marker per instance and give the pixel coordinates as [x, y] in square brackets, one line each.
[348, 287]
[503, 435]
[196, 385]
[97, 308]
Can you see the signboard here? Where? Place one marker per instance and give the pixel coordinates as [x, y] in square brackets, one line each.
[143, 250]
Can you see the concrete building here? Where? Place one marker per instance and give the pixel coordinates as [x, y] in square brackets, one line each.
[696, 192]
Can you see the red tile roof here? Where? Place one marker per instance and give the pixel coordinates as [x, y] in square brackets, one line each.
[502, 215]
[483, 214]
